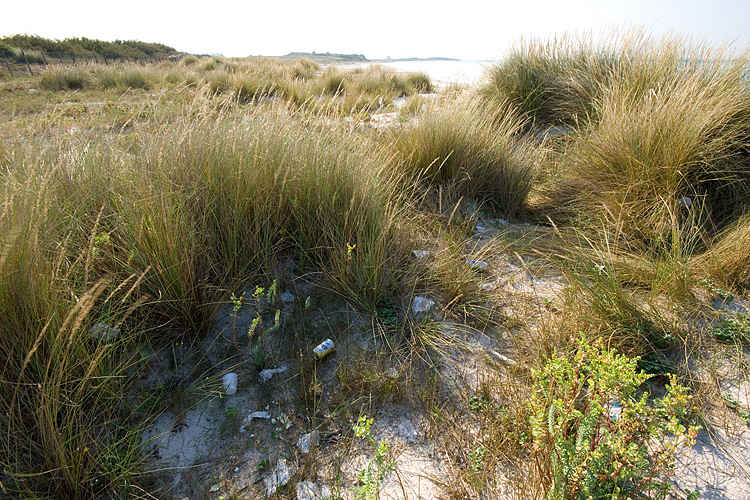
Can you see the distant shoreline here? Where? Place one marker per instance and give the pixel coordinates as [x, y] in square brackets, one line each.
[329, 58]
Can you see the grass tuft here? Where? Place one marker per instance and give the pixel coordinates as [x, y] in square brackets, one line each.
[452, 148]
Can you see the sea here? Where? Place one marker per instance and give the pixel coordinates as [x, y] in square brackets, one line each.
[441, 72]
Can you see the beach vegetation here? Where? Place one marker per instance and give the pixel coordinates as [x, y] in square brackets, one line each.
[511, 262]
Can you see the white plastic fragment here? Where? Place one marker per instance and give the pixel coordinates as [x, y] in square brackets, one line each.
[280, 477]
[503, 359]
[265, 375]
[259, 414]
[103, 332]
[685, 202]
[214, 488]
[285, 421]
[306, 441]
[614, 409]
[477, 263]
[422, 304]
[420, 254]
[307, 490]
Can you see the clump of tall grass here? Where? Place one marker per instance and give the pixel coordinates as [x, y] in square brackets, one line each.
[66, 78]
[455, 149]
[304, 69]
[138, 78]
[189, 60]
[558, 81]
[421, 82]
[663, 163]
[728, 259]
[68, 431]
[656, 160]
[552, 82]
[185, 214]
[376, 79]
[120, 76]
[217, 201]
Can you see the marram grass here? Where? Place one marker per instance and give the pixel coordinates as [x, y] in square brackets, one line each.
[454, 148]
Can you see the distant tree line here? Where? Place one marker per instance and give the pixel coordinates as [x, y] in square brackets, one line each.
[83, 46]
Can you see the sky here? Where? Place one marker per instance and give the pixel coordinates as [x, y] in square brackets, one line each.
[462, 29]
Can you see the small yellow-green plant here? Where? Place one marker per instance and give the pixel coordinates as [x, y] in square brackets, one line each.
[371, 476]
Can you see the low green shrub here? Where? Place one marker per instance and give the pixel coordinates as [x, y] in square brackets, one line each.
[596, 435]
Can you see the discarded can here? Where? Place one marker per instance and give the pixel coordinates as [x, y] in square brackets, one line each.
[323, 349]
[615, 409]
[230, 383]
[477, 263]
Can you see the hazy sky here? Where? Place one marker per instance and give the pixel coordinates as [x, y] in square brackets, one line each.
[465, 29]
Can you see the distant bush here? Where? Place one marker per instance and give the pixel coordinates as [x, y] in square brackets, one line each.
[129, 48]
[138, 78]
[420, 81]
[304, 69]
[189, 60]
[333, 82]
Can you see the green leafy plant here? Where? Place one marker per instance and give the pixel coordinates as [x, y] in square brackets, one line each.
[734, 328]
[362, 427]
[256, 332]
[476, 458]
[595, 435]
[236, 302]
[713, 287]
[371, 476]
[386, 311]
